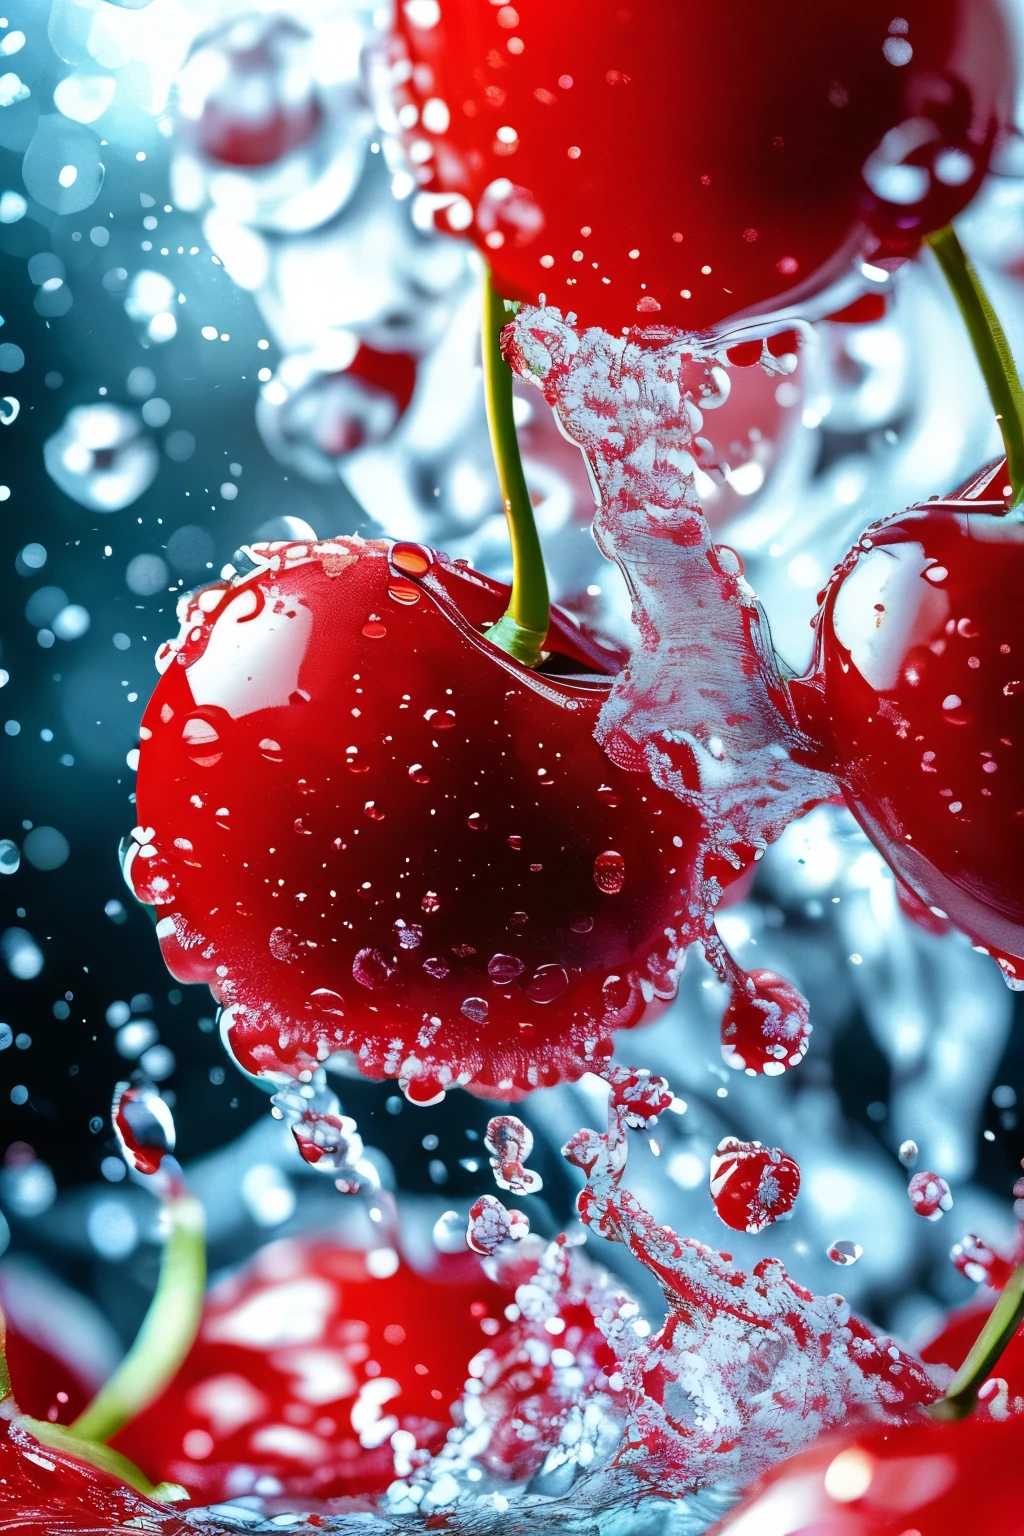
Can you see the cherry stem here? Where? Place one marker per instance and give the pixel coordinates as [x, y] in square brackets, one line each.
[60, 1438]
[523, 628]
[1000, 1326]
[991, 349]
[168, 1329]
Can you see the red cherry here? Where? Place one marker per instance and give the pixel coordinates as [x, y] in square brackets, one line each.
[752, 1185]
[370, 830]
[766, 1026]
[927, 1479]
[686, 163]
[307, 1362]
[44, 1491]
[918, 692]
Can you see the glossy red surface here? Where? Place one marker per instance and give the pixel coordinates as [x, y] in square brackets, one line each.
[752, 1185]
[921, 1480]
[684, 163]
[917, 692]
[307, 1362]
[367, 829]
[766, 1029]
[45, 1493]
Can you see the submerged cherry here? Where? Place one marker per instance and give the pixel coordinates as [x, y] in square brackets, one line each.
[371, 831]
[752, 1185]
[917, 691]
[308, 1363]
[685, 163]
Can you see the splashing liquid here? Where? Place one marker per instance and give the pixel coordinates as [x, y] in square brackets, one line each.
[143, 1126]
[702, 704]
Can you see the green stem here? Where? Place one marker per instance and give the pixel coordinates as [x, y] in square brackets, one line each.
[1000, 1326]
[523, 628]
[991, 348]
[167, 1333]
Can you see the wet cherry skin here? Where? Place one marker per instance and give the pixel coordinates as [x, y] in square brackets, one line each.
[930, 1479]
[307, 1362]
[917, 693]
[369, 830]
[684, 163]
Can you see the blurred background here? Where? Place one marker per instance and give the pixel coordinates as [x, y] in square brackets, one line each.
[226, 317]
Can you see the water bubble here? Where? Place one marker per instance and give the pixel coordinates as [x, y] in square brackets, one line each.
[143, 1125]
[418, 774]
[547, 983]
[440, 719]
[431, 902]
[475, 1008]
[436, 968]
[373, 629]
[6, 1037]
[610, 872]
[158, 1062]
[135, 1038]
[62, 168]
[101, 457]
[10, 857]
[21, 954]
[583, 923]
[908, 1153]
[371, 969]
[46, 848]
[844, 1251]
[503, 969]
[408, 935]
[475, 822]
[112, 1229]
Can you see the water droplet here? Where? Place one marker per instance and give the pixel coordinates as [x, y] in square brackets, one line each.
[503, 969]
[610, 872]
[373, 810]
[518, 919]
[765, 1027]
[431, 902]
[844, 1252]
[514, 841]
[930, 1195]
[436, 967]
[581, 924]
[101, 457]
[143, 1125]
[271, 750]
[324, 1000]
[285, 945]
[440, 719]
[419, 774]
[476, 822]
[10, 857]
[547, 983]
[371, 969]
[411, 559]
[409, 935]
[405, 592]
[908, 1153]
[608, 796]
[752, 1185]
[202, 741]
[475, 1008]
[373, 629]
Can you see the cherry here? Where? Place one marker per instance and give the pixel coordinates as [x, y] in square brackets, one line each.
[929, 1479]
[917, 691]
[752, 1185]
[370, 830]
[685, 163]
[307, 1363]
[44, 1491]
